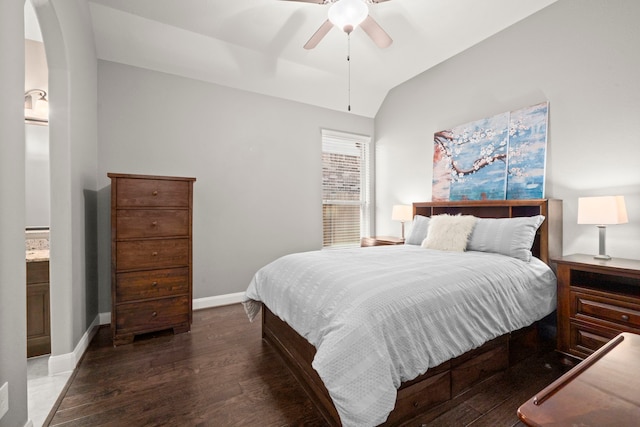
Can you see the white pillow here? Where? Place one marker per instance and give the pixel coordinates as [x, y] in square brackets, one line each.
[507, 236]
[449, 233]
[418, 230]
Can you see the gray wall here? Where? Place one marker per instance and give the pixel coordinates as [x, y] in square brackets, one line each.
[257, 161]
[13, 331]
[583, 57]
[71, 59]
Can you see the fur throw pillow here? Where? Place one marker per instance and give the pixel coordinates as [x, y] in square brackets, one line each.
[449, 232]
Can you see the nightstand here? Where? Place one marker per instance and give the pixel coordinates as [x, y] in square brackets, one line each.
[381, 241]
[597, 300]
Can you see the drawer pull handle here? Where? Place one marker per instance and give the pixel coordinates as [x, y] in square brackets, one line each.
[154, 314]
[154, 223]
[155, 193]
[625, 317]
[154, 284]
[154, 253]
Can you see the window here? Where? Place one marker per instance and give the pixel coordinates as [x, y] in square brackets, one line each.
[346, 189]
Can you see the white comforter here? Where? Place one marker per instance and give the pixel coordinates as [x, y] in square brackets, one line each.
[382, 315]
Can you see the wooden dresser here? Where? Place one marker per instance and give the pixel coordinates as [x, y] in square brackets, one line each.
[597, 300]
[151, 253]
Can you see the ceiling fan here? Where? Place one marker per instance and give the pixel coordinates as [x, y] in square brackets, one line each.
[347, 15]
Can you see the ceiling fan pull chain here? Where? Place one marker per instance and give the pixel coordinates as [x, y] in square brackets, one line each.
[349, 69]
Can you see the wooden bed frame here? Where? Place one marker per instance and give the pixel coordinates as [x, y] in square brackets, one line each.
[456, 376]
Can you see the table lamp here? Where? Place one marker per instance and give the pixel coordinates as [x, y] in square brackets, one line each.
[602, 211]
[402, 213]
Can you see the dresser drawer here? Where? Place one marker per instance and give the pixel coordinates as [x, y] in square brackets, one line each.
[142, 223]
[595, 307]
[152, 315]
[131, 192]
[152, 284]
[140, 254]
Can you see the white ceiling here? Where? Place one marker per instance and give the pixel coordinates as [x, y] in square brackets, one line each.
[256, 45]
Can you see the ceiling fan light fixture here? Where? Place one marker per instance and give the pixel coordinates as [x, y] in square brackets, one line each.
[348, 14]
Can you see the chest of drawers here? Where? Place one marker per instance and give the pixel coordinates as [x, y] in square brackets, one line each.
[597, 300]
[151, 255]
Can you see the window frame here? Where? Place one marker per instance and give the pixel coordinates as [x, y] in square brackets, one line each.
[366, 200]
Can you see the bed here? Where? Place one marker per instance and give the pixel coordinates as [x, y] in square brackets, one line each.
[361, 331]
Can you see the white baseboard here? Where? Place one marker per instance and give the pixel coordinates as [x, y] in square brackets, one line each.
[105, 318]
[198, 304]
[68, 362]
[217, 301]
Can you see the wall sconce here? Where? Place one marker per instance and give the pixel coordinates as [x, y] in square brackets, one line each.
[36, 106]
[402, 213]
[602, 211]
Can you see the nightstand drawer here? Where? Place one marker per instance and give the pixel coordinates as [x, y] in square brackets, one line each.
[152, 284]
[138, 223]
[133, 192]
[380, 241]
[141, 254]
[585, 339]
[152, 315]
[593, 307]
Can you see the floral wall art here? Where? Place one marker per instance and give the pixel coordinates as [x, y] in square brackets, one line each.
[496, 158]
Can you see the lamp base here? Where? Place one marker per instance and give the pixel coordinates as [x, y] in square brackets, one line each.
[602, 231]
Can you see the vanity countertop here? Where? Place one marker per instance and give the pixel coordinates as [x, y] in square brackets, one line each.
[35, 255]
[37, 245]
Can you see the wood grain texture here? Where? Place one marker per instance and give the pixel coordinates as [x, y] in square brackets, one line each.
[597, 300]
[136, 223]
[223, 374]
[151, 254]
[380, 241]
[140, 191]
[600, 391]
[38, 309]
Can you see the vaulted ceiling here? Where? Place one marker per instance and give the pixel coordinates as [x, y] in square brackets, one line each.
[256, 45]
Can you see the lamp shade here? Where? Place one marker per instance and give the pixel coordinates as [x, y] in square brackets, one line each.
[402, 213]
[602, 210]
[348, 14]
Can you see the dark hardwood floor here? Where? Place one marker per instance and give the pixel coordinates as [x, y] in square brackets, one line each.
[223, 374]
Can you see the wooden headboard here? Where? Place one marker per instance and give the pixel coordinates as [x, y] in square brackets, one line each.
[548, 241]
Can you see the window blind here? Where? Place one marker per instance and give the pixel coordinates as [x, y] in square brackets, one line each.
[346, 188]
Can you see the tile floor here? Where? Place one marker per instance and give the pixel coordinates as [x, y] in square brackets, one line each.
[42, 389]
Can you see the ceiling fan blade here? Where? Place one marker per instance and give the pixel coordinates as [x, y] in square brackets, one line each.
[375, 31]
[319, 35]
[313, 1]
